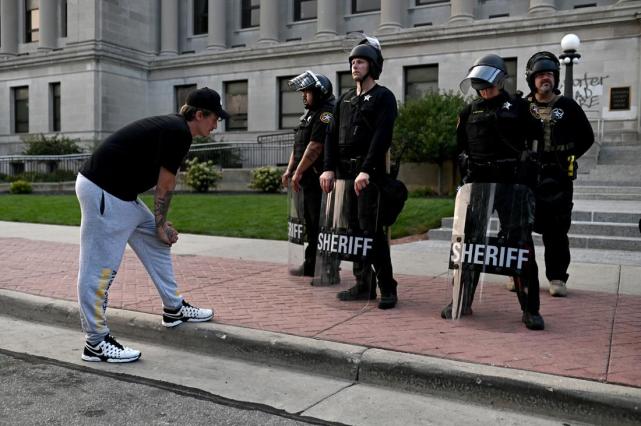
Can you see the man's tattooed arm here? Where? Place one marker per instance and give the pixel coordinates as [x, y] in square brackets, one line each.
[162, 199]
[161, 206]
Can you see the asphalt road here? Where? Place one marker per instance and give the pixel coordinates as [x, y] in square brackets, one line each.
[34, 392]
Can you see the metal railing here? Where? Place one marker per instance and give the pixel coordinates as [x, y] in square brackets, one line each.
[269, 152]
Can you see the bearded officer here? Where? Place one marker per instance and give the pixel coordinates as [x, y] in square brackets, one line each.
[564, 134]
[356, 149]
[306, 161]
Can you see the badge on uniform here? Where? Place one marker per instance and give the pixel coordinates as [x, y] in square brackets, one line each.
[326, 117]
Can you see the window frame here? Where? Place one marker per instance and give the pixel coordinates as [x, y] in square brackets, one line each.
[31, 34]
[16, 122]
[246, 9]
[406, 69]
[511, 79]
[297, 10]
[429, 2]
[340, 88]
[55, 106]
[179, 87]
[355, 10]
[228, 122]
[282, 80]
[197, 19]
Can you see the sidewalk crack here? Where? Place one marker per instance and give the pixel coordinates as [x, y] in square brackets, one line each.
[614, 317]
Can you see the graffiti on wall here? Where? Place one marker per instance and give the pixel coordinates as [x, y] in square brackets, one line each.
[588, 90]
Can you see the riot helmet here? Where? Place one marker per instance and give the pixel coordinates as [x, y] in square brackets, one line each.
[541, 62]
[369, 49]
[487, 71]
[309, 80]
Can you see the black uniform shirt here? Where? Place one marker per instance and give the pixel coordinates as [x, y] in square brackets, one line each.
[128, 162]
[570, 134]
[313, 127]
[493, 134]
[362, 130]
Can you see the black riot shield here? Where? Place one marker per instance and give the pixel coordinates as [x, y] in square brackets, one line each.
[491, 234]
[346, 245]
[295, 232]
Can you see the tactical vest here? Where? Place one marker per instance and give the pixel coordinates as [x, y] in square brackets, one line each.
[494, 141]
[355, 132]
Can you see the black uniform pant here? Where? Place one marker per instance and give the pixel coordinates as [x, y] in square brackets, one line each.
[553, 220]
[369, 221]
[513, 212]
[312, 195]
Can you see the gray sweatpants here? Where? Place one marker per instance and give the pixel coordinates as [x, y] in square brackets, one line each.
[108, 224]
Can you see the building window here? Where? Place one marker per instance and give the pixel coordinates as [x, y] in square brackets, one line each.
[291, 105]
[32, 20]
[305, 9]
[420, 80]
[345, 82]
[201, 13]
[425, 2]
[21, 109]
[180, 94]
[361, 6]
[236, 105]
[581, 6]
[63, 18]
[510, 82]
[54, 95]
[250, 15]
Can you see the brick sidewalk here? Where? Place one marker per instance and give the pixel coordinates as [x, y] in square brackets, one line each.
[590, 335]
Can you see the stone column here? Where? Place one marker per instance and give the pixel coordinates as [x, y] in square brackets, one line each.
[217, 25]
[9, 27]
[169, 27]
[462, 11]
[268, 21]
[326, 25]
[48, 24]
[542, 6]
[391, 12]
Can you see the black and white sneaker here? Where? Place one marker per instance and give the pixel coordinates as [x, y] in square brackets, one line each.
[187, 313]
[109, 350]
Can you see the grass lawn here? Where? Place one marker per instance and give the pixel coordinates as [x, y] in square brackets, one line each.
[247, 216]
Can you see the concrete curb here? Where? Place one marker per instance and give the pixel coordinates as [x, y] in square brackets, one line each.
[500, 387]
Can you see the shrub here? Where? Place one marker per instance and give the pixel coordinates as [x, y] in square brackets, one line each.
[58, 175]
[55, 145]
[20, 187]
[425, 130]
[202, 176]
[267, 179]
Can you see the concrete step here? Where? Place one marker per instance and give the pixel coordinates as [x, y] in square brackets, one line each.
[583, 191]
[577, 216]
[611, 175]
[595, 230]
[620, 155]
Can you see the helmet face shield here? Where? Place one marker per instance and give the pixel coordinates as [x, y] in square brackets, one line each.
[306, 80]
[482, 77]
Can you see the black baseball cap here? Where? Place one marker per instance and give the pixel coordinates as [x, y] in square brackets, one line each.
[206, 98]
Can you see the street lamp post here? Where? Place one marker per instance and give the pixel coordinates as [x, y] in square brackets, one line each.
[570, 43]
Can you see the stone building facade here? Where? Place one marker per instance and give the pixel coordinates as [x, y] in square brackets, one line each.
[84, 68]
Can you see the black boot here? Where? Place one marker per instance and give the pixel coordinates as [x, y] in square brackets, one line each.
[533, 321]
[361, 291]
[389, 297]
[446, 313]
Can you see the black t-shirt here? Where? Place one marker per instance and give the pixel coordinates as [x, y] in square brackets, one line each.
[128, 162]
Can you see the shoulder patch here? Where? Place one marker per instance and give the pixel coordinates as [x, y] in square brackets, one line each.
[326, 117]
